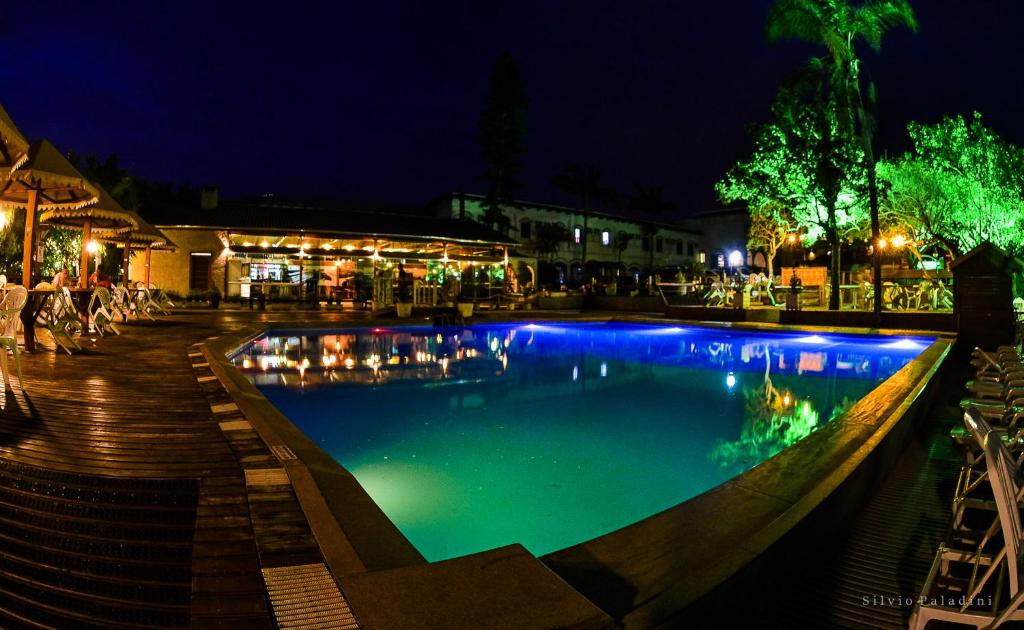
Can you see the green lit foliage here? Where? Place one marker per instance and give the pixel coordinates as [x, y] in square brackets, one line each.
[770, 227]
[765, 435]
[11, 240]
[61, 247]
[839, 26]
[804, 170]
[960, 186]
[502, 135]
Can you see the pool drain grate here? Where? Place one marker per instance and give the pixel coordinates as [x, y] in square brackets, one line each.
[306, 596]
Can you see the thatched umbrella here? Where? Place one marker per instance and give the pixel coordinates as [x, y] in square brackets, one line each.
[46, 180]
[13, 146]
[105, 215]
[142, 237]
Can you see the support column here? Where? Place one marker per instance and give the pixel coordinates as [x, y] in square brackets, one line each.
[125, 262]
[30, 239]
[149, 257]
[83, 270]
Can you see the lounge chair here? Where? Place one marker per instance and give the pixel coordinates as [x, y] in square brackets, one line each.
[973, 492]
[102, 311]
[10, 311]
[954, 575]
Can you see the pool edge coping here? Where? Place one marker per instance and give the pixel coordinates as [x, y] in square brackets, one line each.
[340, 553]
[338, 549]
[738, 555]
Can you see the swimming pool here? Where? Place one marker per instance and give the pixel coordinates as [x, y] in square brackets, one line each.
[552, 434]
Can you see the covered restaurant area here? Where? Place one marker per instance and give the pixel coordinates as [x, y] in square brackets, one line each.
[361, 269]
[334, 255]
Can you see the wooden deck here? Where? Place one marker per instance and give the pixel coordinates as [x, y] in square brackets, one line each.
[123, 500]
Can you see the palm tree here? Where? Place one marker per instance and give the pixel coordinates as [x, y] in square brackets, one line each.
[650, 201]
[839, 25]
[584, 181]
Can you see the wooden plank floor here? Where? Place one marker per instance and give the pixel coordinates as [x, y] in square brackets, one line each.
[122, 501]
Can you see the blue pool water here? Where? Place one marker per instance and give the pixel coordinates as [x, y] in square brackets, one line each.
[552, 434]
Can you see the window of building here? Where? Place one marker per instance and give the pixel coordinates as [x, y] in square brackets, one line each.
[657, 244]
[689, 249]
[645, 243]
[703, 258]
[199, 271]
[606, 238]
[679, 248]
[577, 233]
[525, 229]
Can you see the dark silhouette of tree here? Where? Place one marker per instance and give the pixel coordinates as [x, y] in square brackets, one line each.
[548, 238]
[651, 203]
[584, 182]
[839, 25]
[502, 135]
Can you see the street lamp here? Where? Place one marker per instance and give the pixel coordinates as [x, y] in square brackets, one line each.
[898, 241]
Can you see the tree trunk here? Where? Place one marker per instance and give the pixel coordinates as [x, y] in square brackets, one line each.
[876, 257]
[583, 237]
[650, 257]
[869, 167]
[834, 242]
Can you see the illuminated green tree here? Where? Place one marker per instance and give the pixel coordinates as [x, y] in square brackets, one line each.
[60, 247]
[502, 135]
[11, 241]
[770, 228]
[839, 26]
[803, 165]
[959, 187]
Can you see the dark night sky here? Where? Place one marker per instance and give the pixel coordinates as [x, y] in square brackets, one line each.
[379, 101]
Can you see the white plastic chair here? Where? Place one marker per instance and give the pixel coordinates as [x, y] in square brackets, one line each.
[149, 303]
[61, 318]
[102, 312]
[10, 312]
[162, 298]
